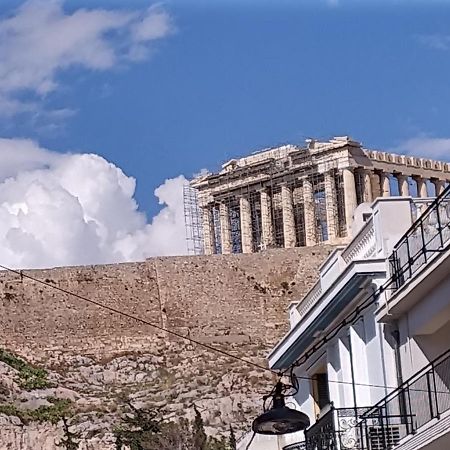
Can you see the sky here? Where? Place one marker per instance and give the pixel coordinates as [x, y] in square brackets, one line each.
[107, 107]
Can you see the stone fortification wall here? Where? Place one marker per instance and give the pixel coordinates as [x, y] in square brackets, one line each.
[99, 359]
[224, 299]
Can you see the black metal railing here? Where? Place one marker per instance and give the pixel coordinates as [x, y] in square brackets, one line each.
[339, 428]
[422, 398]
[429, 234]
[322, 435]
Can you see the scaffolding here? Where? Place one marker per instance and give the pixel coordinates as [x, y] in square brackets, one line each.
[193, 221]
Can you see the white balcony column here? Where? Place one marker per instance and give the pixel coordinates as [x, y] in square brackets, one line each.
[360, 364]
[266, 220]
[287, 206]
[345, 375]
[246, 225]
[367, 193]
[331, 206]
[439, 185]
[350, 201]
[375, 181]
[422, 189]
[403, 186]
[225, 235]
[385, 184]
[208, 230]
[333, 370]
[309, 208]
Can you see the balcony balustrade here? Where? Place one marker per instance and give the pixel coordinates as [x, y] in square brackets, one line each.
[424, 397]
[429, 235]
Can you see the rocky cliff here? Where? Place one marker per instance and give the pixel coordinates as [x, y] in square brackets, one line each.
[95, 360]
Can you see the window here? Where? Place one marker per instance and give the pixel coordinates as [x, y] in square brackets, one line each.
[321, 393]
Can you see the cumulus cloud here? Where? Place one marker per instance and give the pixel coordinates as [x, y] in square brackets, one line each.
[430, 147]
[40, 40]
[69, 209]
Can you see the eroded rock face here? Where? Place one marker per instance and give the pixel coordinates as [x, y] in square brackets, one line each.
[99, 360]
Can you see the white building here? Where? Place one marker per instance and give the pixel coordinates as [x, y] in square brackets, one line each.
[373, 364]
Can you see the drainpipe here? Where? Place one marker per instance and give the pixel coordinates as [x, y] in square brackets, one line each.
[398, 360]
[352, 370]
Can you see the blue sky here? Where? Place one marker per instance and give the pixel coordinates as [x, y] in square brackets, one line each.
[232, 77]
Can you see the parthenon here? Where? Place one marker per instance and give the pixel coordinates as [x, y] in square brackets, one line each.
[292, 196]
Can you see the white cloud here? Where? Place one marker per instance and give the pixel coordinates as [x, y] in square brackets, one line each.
[429, 147]
[68, 209]
[435, 41]
[40, 40]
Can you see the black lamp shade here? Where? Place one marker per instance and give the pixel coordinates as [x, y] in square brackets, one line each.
[280, 419]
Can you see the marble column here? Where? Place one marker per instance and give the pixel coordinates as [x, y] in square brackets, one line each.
[208, 230]
[246, 225]
[422, 190]
[310, 213]
[331, 206]
[375, 181]
[350, 201]
[367, 192]
[403, 186]
[267, 240]
[225, 235]
[439, 185]
[385, 185]
[287, 206]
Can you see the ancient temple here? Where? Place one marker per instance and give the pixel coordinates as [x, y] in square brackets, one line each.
[299, 196]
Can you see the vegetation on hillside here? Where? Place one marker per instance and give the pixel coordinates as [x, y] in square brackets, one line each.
[142, 430]
[29, 377]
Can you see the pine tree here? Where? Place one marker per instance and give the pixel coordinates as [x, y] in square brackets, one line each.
[199, 435]
[232, 439]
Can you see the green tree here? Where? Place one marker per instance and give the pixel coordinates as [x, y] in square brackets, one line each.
[199, 435]
[141, 430]
[232, 439]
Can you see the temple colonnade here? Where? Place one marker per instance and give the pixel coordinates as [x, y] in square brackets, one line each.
[338, 193]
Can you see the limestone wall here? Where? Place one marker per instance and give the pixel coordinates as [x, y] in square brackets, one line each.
[233, 302]
[221, 298]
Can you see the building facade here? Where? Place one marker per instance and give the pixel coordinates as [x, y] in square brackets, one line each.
[299, 196]
[369, 344]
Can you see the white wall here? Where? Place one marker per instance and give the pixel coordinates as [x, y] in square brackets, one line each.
[425, 329]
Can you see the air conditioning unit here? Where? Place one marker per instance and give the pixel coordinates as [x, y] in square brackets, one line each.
[383, 438]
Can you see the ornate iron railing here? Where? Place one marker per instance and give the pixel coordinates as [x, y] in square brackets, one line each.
[339, 428]
[424, 397]
[428, 235]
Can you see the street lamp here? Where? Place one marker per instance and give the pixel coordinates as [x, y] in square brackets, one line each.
[280, 419]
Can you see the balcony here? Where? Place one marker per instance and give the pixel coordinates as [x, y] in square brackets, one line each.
[405, 413]
[412, 409]
[339, 428]
[426, 238]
